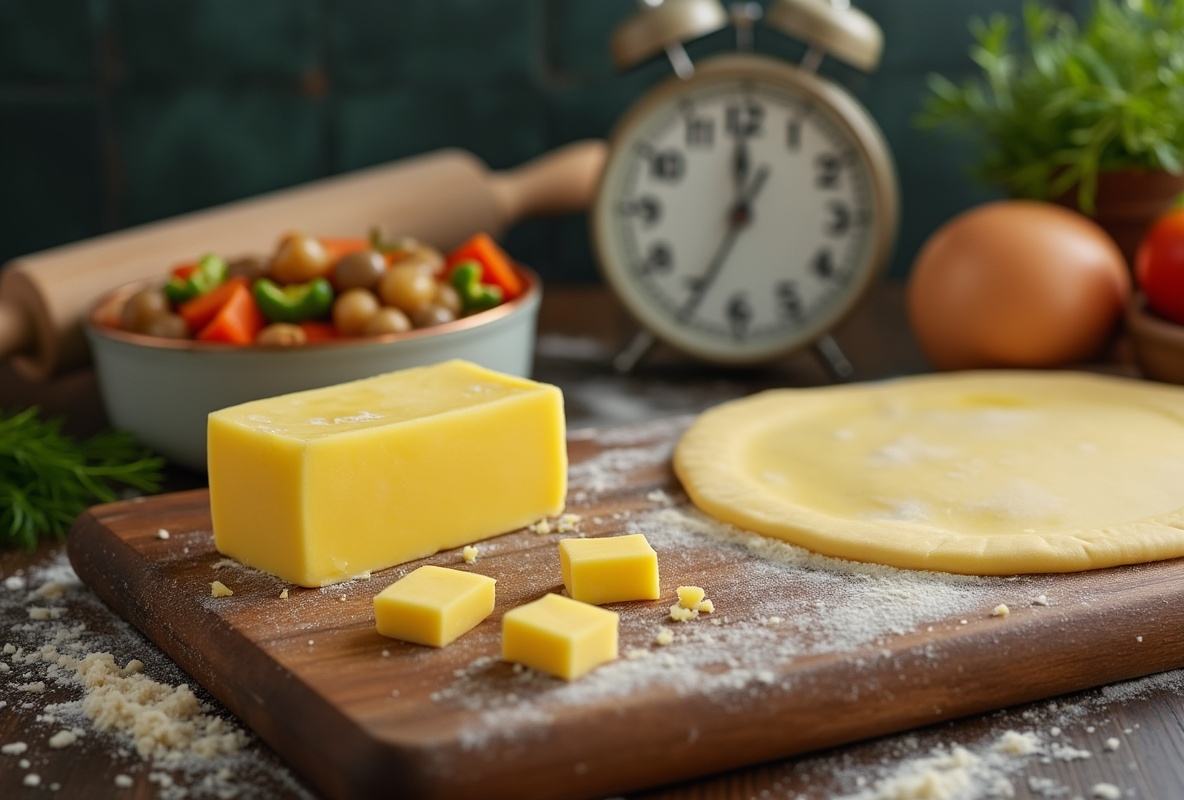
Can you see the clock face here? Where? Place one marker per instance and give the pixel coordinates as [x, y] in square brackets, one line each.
[743, 212]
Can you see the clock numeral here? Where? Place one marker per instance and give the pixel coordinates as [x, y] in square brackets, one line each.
[823, 265]
[840, 218]
[793, 135]
[789, 300]
[739, 315]
[659, 260]
[668, 165]
[745, 119]
[647, 208]
[828, 165]
[700, 131]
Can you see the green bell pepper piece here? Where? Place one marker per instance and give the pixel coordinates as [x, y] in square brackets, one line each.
[212, 271]
[296, 302]
[474, 295]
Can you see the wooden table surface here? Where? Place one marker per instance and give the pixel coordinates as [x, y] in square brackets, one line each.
[1119, 741]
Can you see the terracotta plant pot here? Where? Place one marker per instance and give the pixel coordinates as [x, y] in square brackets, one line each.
[1128, 202]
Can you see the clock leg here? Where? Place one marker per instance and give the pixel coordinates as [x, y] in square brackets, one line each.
[831, 356]
[634, 352]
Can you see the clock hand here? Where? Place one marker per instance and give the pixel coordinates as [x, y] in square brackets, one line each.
[740, 165]
[739, 217]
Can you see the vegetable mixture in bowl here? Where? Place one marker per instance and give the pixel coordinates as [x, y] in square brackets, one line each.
[318, 312]
[313, 289]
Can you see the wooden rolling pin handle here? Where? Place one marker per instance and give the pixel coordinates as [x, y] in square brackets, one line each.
[561, 182]
[16, 329]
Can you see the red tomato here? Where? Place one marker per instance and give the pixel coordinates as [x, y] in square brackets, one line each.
[1159, 266]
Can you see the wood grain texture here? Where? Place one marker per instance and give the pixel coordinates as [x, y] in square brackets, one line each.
[310, 676]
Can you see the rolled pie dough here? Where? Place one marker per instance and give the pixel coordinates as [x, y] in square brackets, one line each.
[984, 473]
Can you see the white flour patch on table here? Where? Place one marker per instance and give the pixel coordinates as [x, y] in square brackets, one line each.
[610, 469]
[731, 658]
[95, 692]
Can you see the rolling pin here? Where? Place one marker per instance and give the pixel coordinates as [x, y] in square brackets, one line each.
[441, 198]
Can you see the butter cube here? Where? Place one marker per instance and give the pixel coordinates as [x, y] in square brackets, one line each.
[433, 605]
[561, 636]
[609, 570]
[323, 485]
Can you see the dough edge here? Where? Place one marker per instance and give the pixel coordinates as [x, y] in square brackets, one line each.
[702, 465]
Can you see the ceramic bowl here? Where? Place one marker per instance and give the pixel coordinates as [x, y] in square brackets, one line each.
[161, 390]
[1158, 343]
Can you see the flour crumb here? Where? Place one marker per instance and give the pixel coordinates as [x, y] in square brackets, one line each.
[637, 653]
[52, 590]
[35, 687]
[1064, 752]
[940, 776]
[1105, 791]
[13, 748]
[1014, 743]
[542, 527]
[660, 497]
[161, 533]
[284, 594]
[1112, 744]
[1040, 600]
[219, 589]
[469, 554]
[567, 523]
[665, 636]
[41, 614]
[62, 739]
[1000, 610]
[32, 779]
[124, 781]
[680, 614]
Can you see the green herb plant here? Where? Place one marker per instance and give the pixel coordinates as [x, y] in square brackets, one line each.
[48, 478]
[1054, 108]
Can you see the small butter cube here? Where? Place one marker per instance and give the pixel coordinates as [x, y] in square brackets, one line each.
[609, 570]
[320, 486]
[433, 605]
[559, 635]
[690, 596]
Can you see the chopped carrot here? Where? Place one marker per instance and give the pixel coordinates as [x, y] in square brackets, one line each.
[200, 310]
[337, 247]
[183, 271]
[318, 330]
[496, 266]
[237, 321]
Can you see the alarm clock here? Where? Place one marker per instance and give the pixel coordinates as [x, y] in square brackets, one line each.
[747, 203]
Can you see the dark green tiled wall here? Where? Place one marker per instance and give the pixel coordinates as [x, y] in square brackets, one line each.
[115, 112]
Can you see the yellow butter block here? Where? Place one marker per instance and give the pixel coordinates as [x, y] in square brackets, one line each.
[324, 485]
[561, 636]
[433, 605]
[609, 570]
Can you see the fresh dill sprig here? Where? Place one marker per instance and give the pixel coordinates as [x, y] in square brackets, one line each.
[48, 478]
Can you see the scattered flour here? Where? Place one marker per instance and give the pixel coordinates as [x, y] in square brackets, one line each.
[153, 724]
[1105, 791]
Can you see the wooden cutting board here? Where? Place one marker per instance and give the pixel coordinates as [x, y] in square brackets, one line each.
[801, 653]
